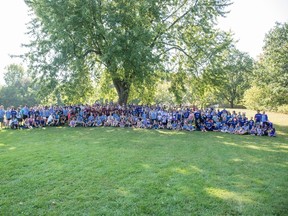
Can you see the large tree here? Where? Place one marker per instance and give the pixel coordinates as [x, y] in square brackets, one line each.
[271, 71]
[75, 41]
[235, 77]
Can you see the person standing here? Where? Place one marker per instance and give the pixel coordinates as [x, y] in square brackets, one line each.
[2, 114]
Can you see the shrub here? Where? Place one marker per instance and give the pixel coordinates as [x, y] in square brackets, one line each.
[283, 109]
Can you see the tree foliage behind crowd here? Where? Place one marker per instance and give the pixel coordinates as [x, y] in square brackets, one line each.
[270, 75]
[18, 89]
[75, 41]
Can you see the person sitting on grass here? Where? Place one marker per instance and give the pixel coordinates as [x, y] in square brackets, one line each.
[244, 129]
[259, 131]
[202, 127]
[148, 124]
[191, 127]
[122, 123]
[90, 120]
[224, 128]
[42, 122]
[237, 129]
[161, 125]
[272, 132]
[155, 125]
[138, 124]
[80, 121]
[216, 127]
[14, 124]
[36, 123]
[185, 126]
[231, 129]
[98, 122]
[209, 125]
[27, 124]
[73, 122]
[253, 131]
[50, 120]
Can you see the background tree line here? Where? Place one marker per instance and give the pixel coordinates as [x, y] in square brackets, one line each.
[144, 52]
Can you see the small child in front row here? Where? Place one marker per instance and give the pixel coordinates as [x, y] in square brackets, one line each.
[272, 132]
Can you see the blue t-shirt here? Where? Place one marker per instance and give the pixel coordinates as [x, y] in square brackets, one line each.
[8, 114]
[2, 113]
[197, 115]
[264, 118]
[258, 117]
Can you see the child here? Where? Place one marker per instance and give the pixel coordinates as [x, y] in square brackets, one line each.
[72, 122]
[272, 132]
[231, 129]
[169, 125]
[14, 123]
[259, 130]
[253, 131]
[203, 128]
[155, 125]
[224, 128]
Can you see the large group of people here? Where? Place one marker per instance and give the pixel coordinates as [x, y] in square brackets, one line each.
[137, 116]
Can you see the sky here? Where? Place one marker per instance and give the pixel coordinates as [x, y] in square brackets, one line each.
[249, 20]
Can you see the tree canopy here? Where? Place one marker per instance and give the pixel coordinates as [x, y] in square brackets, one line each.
[75, 42]
[270, 75]
[18, 89]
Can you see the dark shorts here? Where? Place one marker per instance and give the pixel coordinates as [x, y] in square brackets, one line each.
[1, 120]
[25, 116]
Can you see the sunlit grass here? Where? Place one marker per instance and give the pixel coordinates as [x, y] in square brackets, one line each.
[115, 171]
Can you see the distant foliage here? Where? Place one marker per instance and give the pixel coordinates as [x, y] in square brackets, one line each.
[19, 89]
[271, 70]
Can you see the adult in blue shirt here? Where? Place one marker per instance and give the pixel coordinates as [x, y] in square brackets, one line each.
[258, 117]
[13, 113]
[197, 116]
[264, 117]
[2, 114]
[8, 116]
[25, 111]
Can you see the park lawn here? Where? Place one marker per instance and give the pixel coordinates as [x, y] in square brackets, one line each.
[115, 171]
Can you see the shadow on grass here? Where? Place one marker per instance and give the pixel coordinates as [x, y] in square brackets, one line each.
[282, 130]
[116, 171]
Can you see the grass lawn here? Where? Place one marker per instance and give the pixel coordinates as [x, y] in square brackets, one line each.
[114, 171]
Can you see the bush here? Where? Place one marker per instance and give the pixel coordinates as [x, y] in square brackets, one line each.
[283, 109]
[257, 98]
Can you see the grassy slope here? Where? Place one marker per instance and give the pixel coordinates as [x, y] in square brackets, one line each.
[114, 171]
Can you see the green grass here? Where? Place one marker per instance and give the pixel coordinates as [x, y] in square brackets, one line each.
[114, 171]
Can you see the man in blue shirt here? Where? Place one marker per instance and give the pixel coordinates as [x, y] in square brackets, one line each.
[258, 117]
[8, 116]
[197, 116]
[25, 111]
[264, 117]
[2, 114]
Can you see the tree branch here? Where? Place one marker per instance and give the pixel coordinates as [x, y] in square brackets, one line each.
[174, 23]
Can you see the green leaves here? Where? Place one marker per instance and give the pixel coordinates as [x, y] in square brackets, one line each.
[271, 68]
[129, 39]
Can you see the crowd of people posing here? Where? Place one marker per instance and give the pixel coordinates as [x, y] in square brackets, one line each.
[136, 116]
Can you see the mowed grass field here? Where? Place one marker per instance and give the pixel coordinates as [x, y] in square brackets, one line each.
[114, 171]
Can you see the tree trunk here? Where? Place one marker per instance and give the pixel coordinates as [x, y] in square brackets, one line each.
[231, 103]
[123, 89]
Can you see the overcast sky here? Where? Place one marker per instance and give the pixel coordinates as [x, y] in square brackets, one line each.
[250, 20]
